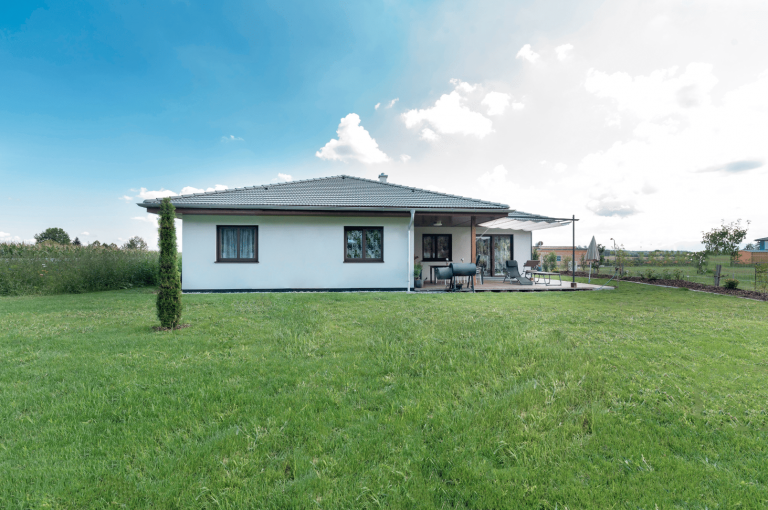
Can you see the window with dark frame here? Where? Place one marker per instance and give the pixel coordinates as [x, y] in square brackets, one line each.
[436, 247]
[363, 244]
[237, 243]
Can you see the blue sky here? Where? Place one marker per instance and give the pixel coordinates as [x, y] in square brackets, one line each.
[100, 100]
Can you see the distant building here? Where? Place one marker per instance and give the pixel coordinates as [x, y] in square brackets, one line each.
[756, 256]
[562, 252]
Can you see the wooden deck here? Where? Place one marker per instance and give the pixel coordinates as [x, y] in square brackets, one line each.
[498, 285]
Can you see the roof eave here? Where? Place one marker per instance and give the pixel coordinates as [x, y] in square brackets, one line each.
[499, 210]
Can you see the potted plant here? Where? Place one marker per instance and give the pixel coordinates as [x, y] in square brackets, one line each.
[417, 281]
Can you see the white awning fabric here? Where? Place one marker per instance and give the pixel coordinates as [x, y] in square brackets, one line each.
[525, 221]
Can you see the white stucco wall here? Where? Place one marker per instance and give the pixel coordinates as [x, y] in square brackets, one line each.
[295, 252]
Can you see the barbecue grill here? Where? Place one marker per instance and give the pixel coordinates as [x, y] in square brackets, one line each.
[454, 270]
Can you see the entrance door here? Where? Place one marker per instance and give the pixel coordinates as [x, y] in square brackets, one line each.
[502, 252]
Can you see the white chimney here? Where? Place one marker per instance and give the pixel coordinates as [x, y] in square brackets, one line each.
[383, 177]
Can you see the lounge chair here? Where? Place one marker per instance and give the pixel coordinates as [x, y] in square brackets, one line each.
[512, 273]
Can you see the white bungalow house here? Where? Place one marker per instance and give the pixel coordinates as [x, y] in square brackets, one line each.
[340, 233]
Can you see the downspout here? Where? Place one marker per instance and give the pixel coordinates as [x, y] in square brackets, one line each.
[410, 252]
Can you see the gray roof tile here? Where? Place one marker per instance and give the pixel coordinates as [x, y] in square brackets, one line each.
[338, 191]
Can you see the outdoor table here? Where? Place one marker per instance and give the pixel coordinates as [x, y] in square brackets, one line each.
[546, 277]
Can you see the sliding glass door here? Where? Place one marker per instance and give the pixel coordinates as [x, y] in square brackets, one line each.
[494, 252]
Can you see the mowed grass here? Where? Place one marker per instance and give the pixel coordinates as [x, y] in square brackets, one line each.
[641, 397]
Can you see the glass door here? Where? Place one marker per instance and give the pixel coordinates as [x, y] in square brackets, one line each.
[483, 247]
[502, 252]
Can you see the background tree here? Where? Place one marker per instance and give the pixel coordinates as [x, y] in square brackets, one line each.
[135, 243]
[550, 261]
[750, 246]
[169, 296]
[535, 253]
[77, 242]
[53, 234]
[725, 239]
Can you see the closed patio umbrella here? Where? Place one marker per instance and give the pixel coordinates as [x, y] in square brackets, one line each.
[592, 255]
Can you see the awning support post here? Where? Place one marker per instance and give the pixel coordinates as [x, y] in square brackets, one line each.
[410, 251]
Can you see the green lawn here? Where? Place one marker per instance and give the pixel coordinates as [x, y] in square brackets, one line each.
[634, 398]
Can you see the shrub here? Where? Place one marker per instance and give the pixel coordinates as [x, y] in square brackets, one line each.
[51, 268]
[731, 283]
[417, 271]
[649, 274]
[677, 274]
[550, 261]
[169, 295]
[666, 274]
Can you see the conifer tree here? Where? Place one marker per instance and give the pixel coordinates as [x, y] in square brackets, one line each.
[169, 296]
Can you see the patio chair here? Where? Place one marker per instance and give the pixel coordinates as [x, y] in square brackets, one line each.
[512, 273]
[480, 269]
[529, 266]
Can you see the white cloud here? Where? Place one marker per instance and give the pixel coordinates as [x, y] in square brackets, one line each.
[563, 51]
[5, 234]
[462, 85]
[392, 103]
[405, 158]
[451, 116]
[231, 138]
[528, 54]
[190, 190]
[496, 102]
[497, 177]
[662, 93]
[145, 194]
[518, 106]
[428, 134]
[84, 234]
[149, 218]
[612, 206]
[354, 143]
[126, 198]
[282, 178]
[648, 189]
[377, 106]
[560, 167]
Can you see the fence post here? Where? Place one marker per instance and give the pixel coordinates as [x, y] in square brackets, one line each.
[718, 268]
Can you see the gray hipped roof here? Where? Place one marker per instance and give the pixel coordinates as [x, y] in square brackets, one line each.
[340, 191]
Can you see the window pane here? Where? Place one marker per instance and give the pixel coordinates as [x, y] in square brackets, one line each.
[373, 244]
[443, 247]
[426, 246]
[247, 243]
[229, 243]
[354, 244]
